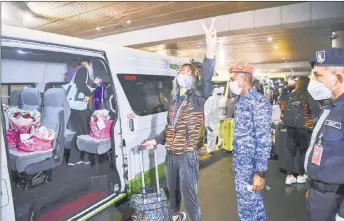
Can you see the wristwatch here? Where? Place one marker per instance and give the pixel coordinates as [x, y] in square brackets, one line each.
[262, 174]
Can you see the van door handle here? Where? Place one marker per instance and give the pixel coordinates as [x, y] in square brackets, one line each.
[131, 125]
[110, 102]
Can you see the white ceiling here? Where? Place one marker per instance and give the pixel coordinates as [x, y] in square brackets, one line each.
[285, 46]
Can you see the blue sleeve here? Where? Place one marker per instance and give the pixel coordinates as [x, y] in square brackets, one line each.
[262, 114]
[205, 82]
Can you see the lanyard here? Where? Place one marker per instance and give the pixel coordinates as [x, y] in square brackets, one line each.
[176, 115]
[320, 139]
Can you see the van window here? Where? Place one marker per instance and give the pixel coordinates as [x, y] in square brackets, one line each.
[147, 94]
[57, 172]
[7, 88]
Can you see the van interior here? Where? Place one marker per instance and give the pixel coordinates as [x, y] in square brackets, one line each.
[45, 187]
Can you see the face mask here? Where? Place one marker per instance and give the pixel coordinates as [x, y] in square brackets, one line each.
[185, 81]
[318, 90]
[234, 87]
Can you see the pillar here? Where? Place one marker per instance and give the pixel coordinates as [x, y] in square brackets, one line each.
[338, 39]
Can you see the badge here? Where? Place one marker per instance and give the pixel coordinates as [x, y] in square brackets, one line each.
[333, 124]
[317, 154]
[240, 65]
[320, 56]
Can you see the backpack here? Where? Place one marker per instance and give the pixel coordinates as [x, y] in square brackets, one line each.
[293, 115]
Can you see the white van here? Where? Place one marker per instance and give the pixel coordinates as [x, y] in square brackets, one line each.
[41, 186]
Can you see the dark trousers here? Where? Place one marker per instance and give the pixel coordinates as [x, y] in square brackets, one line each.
[80, 124]
[324, 206]
[182, 181]
[297, 142]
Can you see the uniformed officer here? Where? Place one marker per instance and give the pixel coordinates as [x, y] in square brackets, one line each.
[324, 161]
[252, 142]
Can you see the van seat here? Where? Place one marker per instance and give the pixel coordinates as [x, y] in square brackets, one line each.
[53, 117]
[19, 159]
[94, 146]
[31, 99]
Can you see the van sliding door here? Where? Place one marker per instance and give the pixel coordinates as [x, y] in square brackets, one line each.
[143, 108]
[73, 191]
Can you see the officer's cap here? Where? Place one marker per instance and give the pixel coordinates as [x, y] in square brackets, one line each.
[241, 67]
[328, 57]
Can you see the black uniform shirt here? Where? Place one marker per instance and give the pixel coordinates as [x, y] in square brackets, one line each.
[331, 169]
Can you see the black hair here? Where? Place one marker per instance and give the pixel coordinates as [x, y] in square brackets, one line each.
[301, 86]
[79, 61]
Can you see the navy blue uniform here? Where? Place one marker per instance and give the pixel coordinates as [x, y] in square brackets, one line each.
[252, 147]
[326, 176]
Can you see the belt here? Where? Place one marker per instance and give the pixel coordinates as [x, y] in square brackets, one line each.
[325, 187]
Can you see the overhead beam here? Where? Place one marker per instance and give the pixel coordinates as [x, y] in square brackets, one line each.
[287, 65]
[299, 15]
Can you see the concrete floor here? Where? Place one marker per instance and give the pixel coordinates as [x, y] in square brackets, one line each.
[217, 196]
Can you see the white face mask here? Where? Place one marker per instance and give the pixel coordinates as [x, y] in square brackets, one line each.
[234, 87]
[185, 81]
[318, 90]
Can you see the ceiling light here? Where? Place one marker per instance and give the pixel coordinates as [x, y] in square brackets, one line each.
[276, 47]
[283, 58]
[285, 61]
[199, 46]
[269, 38]
[128, 22]
[98, 28]
[21, 52]
[27, 17]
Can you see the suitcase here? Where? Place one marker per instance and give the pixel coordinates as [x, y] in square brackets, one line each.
[227, 134]
[151, 203]
[276, 125]
[279, 143]
[283, 152]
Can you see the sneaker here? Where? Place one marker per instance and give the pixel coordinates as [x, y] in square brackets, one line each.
[290, 180]
[301, 179]
[182, 216]
[211, 153]
[86, 162]
[79, 162]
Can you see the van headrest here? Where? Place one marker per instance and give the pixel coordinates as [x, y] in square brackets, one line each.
[15, 98]
[55, 97]
[31, 99]
[55, 100]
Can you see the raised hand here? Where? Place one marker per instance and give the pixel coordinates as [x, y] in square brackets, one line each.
[211, 39]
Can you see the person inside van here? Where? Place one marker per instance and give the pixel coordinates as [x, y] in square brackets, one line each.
[80, 118]
[298, 116]
[185, 118]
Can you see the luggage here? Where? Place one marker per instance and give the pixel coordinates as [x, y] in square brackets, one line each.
[227, 134]
[280, 141]
[276, 133]
[150, 204]
[280, 144]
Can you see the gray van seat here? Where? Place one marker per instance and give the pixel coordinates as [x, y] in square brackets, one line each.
[31, 99]
[53, 117]
[94, 146]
